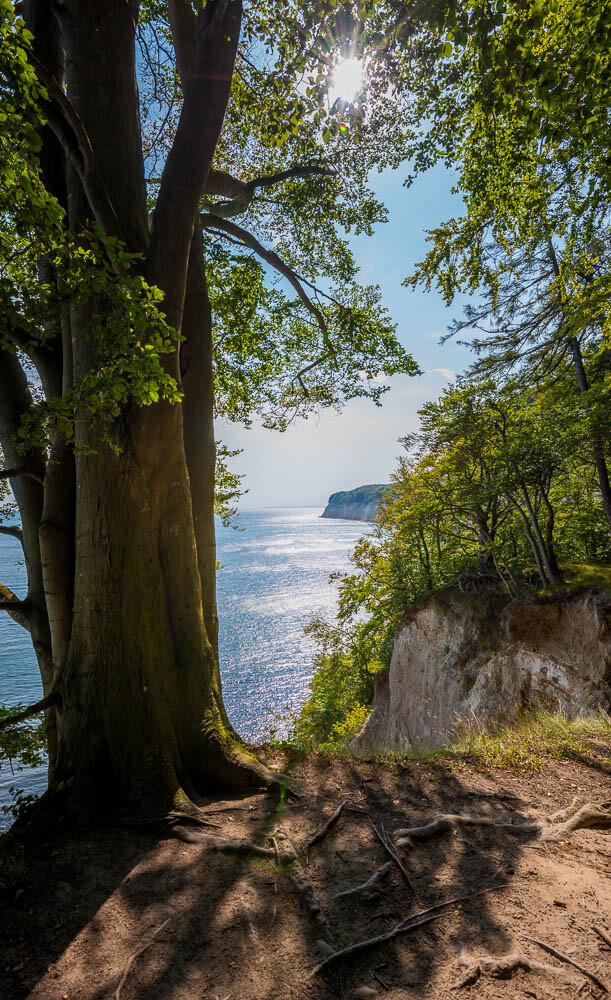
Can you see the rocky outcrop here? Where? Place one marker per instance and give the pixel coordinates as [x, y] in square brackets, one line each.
[355, 505]
[475, 658]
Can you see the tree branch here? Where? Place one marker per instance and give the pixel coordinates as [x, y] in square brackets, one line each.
[188, 163]
[17, 609]
[231, 229]
[69, 129]
[240, 194]
[285, 175]
[8, 529]
[27, 713]
[182, 26]
[22, 470]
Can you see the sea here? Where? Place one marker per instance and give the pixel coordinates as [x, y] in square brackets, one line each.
[273, 579]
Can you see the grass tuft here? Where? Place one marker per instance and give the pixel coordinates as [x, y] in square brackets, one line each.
[524, 746]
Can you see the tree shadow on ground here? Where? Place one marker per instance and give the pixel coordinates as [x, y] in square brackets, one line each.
[237, 927]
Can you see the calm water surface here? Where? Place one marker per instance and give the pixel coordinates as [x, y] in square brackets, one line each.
[274, 578]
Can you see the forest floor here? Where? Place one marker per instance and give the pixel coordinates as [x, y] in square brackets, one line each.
[163, 913]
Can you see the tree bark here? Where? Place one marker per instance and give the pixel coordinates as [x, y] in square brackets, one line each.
[198, 415]
[582, 382]
[15, 401]
[597, 445]
[141, 719]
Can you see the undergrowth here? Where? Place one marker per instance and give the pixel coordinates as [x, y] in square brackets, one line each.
[527, 744]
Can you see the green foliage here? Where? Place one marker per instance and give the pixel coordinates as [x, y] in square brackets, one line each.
[494, 479]
[23, 745]
[340, 691]
[360, 495]
[227, 489]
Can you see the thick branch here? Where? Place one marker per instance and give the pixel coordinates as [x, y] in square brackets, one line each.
[12, 530]
[69, 129]
[17, 609]
[240, 194]
[21, 470]
[190, 158]
[285, 175]
[182, 24]
[27, 713]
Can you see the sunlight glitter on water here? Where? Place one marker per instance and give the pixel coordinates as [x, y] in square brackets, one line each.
[273, 579]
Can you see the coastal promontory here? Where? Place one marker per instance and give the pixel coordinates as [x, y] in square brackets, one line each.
[355, 505]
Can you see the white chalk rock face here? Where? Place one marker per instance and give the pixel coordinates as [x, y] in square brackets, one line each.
[472, 657]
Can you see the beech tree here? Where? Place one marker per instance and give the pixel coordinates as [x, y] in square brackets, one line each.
[119, 239]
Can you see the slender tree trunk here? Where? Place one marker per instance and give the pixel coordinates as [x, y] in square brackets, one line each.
[549, 536]
[533, 544]
[537, 533]
[597, 445]
[15, 401]
[582, 382]
[198, 416]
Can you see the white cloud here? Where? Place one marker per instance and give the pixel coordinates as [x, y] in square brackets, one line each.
[447, 373]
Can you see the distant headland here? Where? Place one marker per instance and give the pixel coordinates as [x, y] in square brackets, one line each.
[356, 505]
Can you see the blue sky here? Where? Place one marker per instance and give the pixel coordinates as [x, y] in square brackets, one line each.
[332, 451]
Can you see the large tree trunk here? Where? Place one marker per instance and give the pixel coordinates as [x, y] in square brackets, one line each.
[141, 718]
[142, 713]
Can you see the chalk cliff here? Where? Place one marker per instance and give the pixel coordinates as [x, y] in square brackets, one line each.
[355, 505]
[480, 658]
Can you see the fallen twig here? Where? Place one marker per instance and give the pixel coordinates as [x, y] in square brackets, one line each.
[565, 958]
[320, 834]
[602, 934]
[382, 982]
[385, 842]
[403, 927]
[135, 955]
[355, 949]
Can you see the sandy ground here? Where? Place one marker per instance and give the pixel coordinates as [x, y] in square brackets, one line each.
[154, 913]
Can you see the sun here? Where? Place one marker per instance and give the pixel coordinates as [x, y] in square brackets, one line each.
[347, 80]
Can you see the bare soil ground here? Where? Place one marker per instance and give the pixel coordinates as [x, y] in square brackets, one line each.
[155, 913]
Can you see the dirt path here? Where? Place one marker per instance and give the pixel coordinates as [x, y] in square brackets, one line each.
[158, 914]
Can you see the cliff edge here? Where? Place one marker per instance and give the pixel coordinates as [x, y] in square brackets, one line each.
[355, 505]
[480, 658]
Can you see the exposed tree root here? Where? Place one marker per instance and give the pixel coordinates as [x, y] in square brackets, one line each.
[503, 967]
[320, 834]
[135, 955]
[368, 892]
[554, 827]
[242, 849]
[386, 844]
[289, 861]
[410, 923]
[566, 958]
